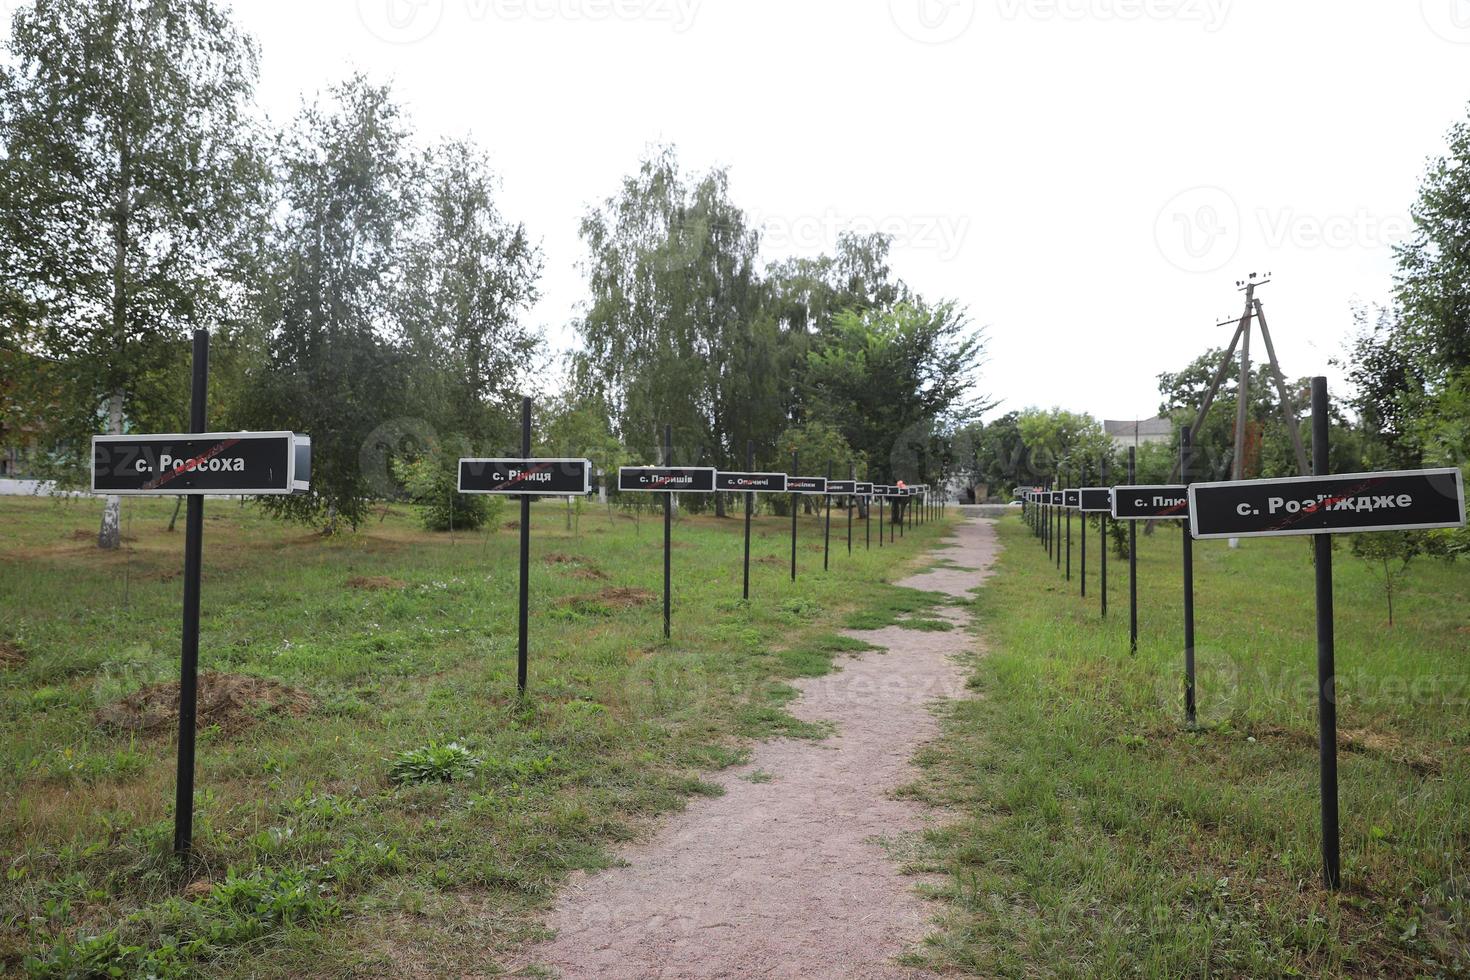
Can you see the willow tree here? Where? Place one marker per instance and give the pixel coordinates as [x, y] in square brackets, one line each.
[126, 169]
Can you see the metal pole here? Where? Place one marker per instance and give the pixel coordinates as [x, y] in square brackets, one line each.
[1326, 656]
[668, 523]
[189, 652]
[1069, 535]
[749, 503]
[1132, 560]
[525, 552]
[1186, 470]
[1103, 545]
[1082, 482]
[794, 499]
[851, 503]
[827, 534]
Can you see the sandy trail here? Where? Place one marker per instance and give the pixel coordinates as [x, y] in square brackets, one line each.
[789, 878]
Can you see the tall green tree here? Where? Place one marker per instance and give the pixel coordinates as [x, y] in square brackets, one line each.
[805, 295]
[889, 379]
[469, 277]
[336, 368]
[1433, 283]
[127, 163]
[1061, 441]
[673, 333]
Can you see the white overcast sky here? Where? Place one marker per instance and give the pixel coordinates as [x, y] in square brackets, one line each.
[1088, 177]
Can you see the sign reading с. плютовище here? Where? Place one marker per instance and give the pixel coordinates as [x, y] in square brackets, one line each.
[1165, 503]
[554, 477]
[751, 482]
[243, 463]
[1392, 501]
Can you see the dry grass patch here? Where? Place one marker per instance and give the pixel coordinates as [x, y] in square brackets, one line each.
[11, 655]
[375, 583]
[231, 701]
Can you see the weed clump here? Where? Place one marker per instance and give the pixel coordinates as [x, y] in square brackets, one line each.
[433, 763]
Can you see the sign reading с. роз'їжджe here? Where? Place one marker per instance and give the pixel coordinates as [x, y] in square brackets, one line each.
[1392, 501]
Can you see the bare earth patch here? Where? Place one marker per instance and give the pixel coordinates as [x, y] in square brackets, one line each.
[611, 598]
[231, 701]
[786, 874]
[375, 583]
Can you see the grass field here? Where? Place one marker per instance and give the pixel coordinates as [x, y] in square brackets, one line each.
[1100, 837]
[323, 848]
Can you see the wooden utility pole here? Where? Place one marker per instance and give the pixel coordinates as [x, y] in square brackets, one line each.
[1242, 339]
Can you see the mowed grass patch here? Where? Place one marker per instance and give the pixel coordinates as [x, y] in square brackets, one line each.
[408, 810]
[1101, 837]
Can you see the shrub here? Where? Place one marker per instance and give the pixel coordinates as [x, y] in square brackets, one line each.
[433, 763]
[431, 481]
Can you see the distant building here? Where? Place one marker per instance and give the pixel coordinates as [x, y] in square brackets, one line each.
[1139, 432]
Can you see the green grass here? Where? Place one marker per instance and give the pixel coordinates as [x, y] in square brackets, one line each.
[353, 837]
[1101, 837]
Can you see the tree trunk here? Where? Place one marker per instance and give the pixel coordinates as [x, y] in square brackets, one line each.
[178, 503]
[109, 536]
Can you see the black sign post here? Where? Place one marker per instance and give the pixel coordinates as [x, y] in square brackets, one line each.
[197, 464]
[525, 597]
[1058, 499]
[189, 654]
[827, 534]
[1323, 505]
[1099, 501]
[749, 506]
[1081, 483]
[1186, 470]
[865, 492]
[1069, 503]
[795, 468]
[525, 478]
[1148, 503]
[667, 480]
[851, 501]
[1132, 558]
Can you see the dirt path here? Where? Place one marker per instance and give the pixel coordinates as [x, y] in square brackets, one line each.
[789, 878]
